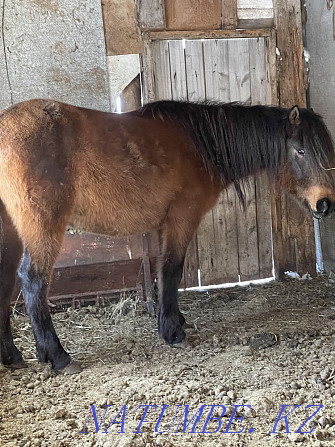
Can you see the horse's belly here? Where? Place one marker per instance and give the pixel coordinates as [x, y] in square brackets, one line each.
[118, 221]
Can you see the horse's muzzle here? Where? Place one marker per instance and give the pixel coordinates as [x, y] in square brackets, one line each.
[323, 208]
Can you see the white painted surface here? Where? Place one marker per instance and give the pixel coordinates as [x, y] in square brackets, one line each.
[121, 71]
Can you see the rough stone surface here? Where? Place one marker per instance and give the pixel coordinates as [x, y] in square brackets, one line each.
[53, 49]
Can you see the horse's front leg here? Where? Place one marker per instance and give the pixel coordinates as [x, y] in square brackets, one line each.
[170, 319]
[35, 287]
[176, 233]
[10, 254]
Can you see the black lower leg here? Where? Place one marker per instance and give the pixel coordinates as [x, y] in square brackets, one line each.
[9, 354]
[170, 320]
[9, 259]
[34, 288]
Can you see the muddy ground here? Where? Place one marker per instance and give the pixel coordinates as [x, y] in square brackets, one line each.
[263, 346]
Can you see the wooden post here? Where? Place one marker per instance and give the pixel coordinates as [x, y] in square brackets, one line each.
[229, 14]
[293, 233]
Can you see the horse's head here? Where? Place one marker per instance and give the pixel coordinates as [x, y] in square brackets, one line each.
[308, 170]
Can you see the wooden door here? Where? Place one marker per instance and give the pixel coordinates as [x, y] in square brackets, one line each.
[231, 244]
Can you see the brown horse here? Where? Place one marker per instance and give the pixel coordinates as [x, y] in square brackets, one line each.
[159, 168]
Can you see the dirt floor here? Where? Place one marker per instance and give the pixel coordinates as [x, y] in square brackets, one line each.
[262, 346]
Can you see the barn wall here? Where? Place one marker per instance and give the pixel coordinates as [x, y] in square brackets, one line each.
[320, 34]
[230, 244]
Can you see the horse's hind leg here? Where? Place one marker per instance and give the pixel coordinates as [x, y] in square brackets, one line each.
[34, 282]
[10, 254]
[175, 237]
[42, 243]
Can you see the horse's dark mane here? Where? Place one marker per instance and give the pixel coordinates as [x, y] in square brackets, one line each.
[239, 140]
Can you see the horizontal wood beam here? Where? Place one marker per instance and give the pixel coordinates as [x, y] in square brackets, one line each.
[214, 34]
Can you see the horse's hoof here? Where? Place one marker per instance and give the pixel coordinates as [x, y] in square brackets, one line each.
[170, 329]
[71, 368]
[18, 365]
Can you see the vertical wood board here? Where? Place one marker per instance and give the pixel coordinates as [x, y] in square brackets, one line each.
[230, 243]
[151, 14]
[229, 14]
[193, 14]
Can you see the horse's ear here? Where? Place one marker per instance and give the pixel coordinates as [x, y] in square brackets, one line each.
[294, 116]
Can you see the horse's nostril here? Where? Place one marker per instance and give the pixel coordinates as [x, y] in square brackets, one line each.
[323, 205]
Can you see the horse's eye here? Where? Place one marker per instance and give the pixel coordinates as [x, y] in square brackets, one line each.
[301, 152]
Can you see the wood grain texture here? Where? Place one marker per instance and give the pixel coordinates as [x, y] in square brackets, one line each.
[320, 32]
[260, 87]
[89, 248]
[229, 14]
[293, 236]
[208, 34]
[193, 14]
[178, 70]
[151, 14]
[161, 70]
[255, 13]
[76, 280]
[217, 70]
[194, 63]
[230, 243]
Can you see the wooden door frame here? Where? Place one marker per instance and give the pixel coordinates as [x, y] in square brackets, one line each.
[291, 250]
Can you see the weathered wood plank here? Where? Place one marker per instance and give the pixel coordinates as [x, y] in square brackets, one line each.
[295, 249]
[196, 90]
[259, 75]
[271, 60]
[161, 70]
[122, 34]
[151, 14]
[239, 70]
[193, 14]
[229, 14]
[147, 68]
[255, 13]
[240, 90]
[248, 235]
[178, 70]
[211, 34]
[224, 237]
[207, 250]
[194, 63]
[261, 94]
[96, 277]
[191, 267]
[216, 69]
[88, 248]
